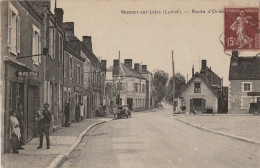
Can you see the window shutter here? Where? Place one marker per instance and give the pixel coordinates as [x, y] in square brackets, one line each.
[40, 50]
[33, 46]
[73, 72]
[18, 34]
[9, 27]
[203, 105]
[191, 105]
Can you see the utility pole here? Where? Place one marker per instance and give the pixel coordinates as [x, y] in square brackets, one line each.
[119, 86]
[173, 78]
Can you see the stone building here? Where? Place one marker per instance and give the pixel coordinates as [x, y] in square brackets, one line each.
[22, 25]
[244, 86]
[130, 85]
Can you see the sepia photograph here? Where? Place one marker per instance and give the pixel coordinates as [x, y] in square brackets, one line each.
[130, 83]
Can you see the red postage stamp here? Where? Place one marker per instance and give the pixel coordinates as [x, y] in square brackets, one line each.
[241, 28]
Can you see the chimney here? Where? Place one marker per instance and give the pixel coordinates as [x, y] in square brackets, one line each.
[59, 15]
[137, 67]
[234, 58]
[203, 64]
[192, 70]
[116, 68]
[103, 65]
[144, 68]
[47, 4]
[87, 42]
[128, 62]
[68, 27]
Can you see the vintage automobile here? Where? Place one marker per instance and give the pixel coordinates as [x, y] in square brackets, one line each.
[123, 111]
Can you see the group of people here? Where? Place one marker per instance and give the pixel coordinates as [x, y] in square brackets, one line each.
[43, 119]
[79, 113]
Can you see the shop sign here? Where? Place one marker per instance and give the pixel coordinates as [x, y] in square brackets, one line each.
[78, 89]
[29, 74]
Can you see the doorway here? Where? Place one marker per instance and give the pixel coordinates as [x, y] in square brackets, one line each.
[130, 103]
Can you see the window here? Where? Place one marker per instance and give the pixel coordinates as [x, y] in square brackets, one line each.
[70, 67]
[246, 86]
[258, 99]
[60, 50]
[51, 41]
[143, 87]
[136, 87]
[36, 45]
[78, 74]
[119, 86]
[14, 23]
[197, 88]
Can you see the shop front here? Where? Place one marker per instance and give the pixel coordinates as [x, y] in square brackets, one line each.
[22, 89]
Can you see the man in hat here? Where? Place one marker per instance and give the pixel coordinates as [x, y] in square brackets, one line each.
[44, 126]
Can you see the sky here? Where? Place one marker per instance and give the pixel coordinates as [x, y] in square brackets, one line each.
[150, 38]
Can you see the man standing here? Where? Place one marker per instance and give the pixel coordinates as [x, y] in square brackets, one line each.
[19, 116]
[44, 126]
[67, 114]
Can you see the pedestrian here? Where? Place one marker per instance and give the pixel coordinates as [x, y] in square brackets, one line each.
[81, 112]
[44, 125]
[19, 116]
[67, 114]
[15, 132]
[77, 112]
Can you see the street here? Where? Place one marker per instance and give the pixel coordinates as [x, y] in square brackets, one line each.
[156, 139]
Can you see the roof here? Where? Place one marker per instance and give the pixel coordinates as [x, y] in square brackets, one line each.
[244, 68]
[72, 51]
[190, 82]
[129, 72]
[90, 55]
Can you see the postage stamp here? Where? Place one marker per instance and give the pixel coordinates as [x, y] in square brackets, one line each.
[241, 28]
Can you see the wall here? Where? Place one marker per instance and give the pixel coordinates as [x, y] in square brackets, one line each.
[235, 93]
[206, 93]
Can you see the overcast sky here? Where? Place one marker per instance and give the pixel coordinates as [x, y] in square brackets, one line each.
[150, 38]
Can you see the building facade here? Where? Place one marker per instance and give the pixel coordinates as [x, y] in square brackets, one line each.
[22, 37]
[130, 86]
[244, 87]
[197, 94]
[73, 78]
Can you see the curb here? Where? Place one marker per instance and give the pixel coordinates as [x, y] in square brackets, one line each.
[220, 133]
[62, 157]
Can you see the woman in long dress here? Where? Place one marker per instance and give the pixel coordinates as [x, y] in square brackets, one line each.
[15, 132]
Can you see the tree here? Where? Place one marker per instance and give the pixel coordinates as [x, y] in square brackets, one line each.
[179, 83]
[160, 80]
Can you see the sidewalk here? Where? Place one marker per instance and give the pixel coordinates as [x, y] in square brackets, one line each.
[62, 142]
[242, 127]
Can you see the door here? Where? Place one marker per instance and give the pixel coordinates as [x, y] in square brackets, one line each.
[198, 104]
[130, 103]
[30, 110]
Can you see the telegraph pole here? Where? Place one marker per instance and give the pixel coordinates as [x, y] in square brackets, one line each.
[119, 86]
[173, 78]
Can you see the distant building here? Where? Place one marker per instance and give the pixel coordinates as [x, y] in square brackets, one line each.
[244, 87]
[130, 85]
[150, 99]
[197, 94]
[203, 92]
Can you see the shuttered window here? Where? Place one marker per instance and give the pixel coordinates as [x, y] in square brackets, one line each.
[36, 45]
[14, 29]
